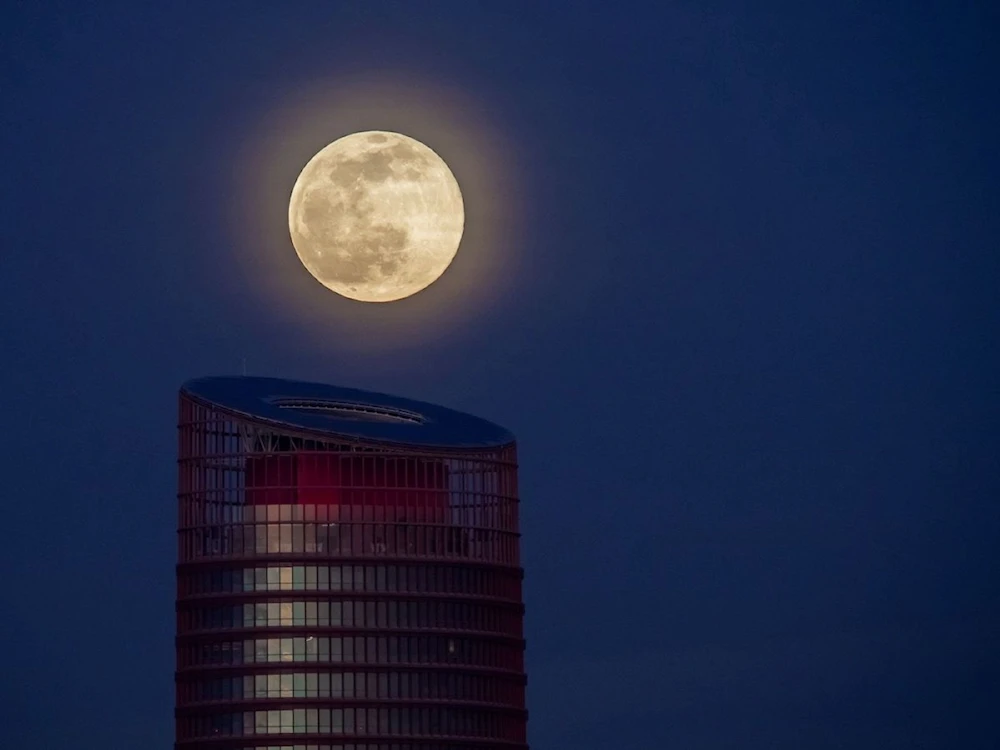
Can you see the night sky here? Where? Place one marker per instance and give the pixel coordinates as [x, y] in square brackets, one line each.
[730, 276]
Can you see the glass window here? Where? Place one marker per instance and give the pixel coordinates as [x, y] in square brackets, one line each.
[274, 722]
[260, 541]
[310, 535]
[285, 543]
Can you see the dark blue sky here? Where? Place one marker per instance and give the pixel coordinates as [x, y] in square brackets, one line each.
[748, 346]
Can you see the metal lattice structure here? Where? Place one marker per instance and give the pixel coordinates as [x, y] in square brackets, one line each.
[345, 581]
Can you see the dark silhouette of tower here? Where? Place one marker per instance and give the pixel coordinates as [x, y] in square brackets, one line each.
[348, 574]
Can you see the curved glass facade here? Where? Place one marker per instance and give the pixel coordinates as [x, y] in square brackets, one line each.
[344, 595]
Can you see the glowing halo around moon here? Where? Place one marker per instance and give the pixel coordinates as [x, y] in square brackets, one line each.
[376, 216]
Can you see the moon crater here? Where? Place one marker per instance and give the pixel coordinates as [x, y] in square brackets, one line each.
[376, 216]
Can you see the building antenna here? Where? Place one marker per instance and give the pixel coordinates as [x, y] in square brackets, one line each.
[244, 367]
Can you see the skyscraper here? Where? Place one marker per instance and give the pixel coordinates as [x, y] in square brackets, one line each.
[348, 574]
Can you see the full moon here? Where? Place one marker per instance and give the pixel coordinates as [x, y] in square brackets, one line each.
[376, 216]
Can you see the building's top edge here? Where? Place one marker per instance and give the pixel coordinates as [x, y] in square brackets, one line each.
[347, 412]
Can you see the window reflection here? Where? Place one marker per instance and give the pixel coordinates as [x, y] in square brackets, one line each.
[397, 539]
[358, 649]
[361, 721]
[370, 685]
[380, 578]
[410, 614]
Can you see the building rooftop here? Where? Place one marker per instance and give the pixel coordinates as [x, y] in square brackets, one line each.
[346, 412]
